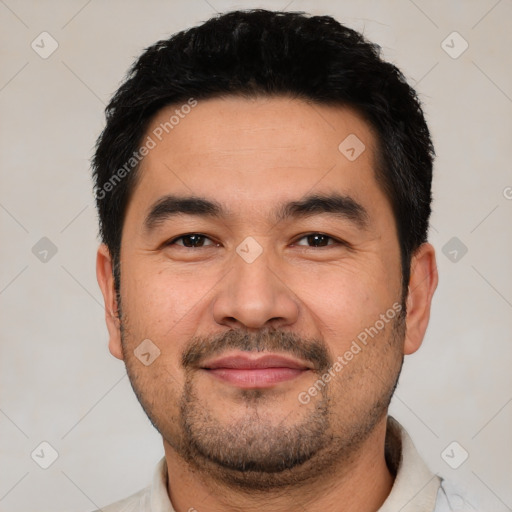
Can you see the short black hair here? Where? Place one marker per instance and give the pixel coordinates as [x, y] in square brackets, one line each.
[270, 53]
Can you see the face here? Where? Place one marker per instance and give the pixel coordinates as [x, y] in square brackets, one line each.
[261, 264]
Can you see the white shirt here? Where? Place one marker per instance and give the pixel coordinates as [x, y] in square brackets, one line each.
[415, 489]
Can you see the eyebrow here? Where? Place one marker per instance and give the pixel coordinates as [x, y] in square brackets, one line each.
[341, 206]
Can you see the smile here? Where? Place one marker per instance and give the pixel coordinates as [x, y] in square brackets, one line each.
[260, 371]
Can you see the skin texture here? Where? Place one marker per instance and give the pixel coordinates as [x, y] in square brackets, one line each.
[229, 448]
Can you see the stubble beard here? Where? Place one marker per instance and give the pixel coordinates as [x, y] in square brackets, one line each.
[254, 453]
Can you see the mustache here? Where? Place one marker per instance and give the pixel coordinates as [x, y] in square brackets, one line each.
[311, 350]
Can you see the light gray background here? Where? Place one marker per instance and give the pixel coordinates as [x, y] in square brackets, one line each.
[59, 383]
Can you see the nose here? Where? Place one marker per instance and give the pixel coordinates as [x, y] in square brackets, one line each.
[253, 296]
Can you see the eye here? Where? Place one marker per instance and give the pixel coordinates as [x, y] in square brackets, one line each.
[318, 240]
[192, 240]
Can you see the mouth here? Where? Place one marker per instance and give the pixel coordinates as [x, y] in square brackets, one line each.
[253, 371]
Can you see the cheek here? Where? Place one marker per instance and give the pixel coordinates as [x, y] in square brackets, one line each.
[343, 300]
[162, 303]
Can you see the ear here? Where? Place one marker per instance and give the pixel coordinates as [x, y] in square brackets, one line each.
[105, 276]
[422, 285]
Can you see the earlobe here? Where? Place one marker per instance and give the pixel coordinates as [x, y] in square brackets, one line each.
[422, 285]
[105, 277]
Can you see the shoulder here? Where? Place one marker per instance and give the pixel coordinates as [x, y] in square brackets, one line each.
[453, 497]
[138, 502]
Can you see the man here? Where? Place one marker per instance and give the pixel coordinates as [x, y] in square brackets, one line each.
[263, 186]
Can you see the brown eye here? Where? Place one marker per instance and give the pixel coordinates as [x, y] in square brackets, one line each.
[317, 240]
[192, 240]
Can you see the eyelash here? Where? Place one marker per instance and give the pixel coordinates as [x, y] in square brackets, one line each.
[337, 242]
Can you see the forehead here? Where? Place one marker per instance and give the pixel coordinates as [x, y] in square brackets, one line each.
[250, 151]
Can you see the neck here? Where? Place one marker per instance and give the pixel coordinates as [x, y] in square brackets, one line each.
[361, 484]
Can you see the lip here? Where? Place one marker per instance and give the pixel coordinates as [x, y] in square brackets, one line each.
[250, 361]
[255, 371]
